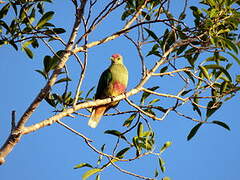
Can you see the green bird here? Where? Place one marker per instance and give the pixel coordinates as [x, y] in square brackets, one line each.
[112, 82]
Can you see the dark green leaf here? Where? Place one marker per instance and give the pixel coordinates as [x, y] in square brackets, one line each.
[215, 66]
[161, 164]
[121, 153]
[152, 34]
[156, 173]
[212, 107]
[115, 133]
[193, 131]
[234, 57]
[82, 165]
[146, 94]
[127, 13]
[55, 31]
[44, 74]
[205, 72]
[44, 19]
[91, 172]
[128, 122]
[90, 90]
[224, 125]
[4, 10]
[62, 80]
[28, 52]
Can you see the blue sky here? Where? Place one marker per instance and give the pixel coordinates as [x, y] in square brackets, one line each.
[52, 152]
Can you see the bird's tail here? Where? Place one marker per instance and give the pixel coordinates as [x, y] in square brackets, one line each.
[96, 115]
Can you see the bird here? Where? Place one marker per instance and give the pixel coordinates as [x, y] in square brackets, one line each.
[113, 82]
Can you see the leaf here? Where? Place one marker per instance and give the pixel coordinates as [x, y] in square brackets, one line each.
[28, 52]
[220, 123]
[205, 72]
[62, 80]
[211, 109]
[127, 13]
[146, 94]
[140, 130]
[121, 153]
[153, 101]
[55, 31]
[234, 57]
[90, 90]
[42, 73]
[98, 177]
[193, 131]
[152, 34]
[156, 173]
[215, 66]
[115, 133]
[4, 10]
[44, 19]
[161, 164]
[165, 146]
[128, 122]
[82, 165]
[91, 172]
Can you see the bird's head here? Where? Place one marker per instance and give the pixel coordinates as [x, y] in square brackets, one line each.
[116, 59]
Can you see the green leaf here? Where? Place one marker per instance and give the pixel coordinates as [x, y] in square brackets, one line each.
[146, 94]
[211, 109]
[205, 72]
[55, 31]
[161, 164]
[156, 173]
[115, 133]
[193, 131]
[234, 57]
[127, 13]
[140, 130]
[128, 122]
[152, 34]
[98, 177]
[121, 153]
[44, 19]
[222, 124]
[91, 172]
[165, 146]
[153, 101]
[62, 80]
[90, 90]
[82, 165]
[4, 10]
[215, 66]
[44, 74]
[28, 52]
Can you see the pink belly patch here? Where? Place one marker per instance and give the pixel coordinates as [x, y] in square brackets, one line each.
[118, 87]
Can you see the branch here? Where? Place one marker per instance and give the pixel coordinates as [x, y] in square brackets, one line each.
[21, 130]
[113, 36]
[15, 136]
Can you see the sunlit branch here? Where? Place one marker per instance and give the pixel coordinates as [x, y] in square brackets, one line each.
[128, 172]
[163, 95]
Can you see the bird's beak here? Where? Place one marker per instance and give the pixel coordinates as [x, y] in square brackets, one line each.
[111, 58]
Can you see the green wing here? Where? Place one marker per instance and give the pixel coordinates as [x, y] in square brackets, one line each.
[103, 85]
